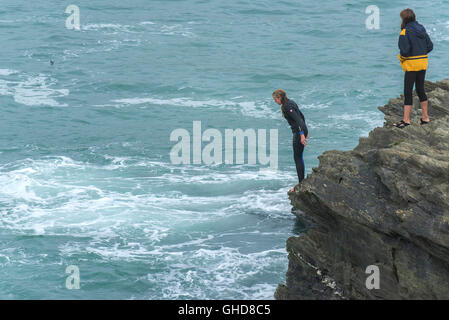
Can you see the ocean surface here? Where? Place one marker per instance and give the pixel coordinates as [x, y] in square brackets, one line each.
[86, 177]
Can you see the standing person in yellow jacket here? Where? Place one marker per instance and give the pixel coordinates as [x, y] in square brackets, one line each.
[414, 45]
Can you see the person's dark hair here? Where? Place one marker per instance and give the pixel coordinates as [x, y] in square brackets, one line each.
[407, 16]
[281, 94]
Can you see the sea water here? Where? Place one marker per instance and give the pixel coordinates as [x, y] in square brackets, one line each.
[86, 178]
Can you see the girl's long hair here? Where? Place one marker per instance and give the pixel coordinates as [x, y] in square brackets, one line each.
[407, 16]
[281, 94]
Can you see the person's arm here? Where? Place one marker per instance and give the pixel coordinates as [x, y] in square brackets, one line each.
[298, 121]
[404, 43]
[303, 128]
[429, 43]
[304, 125]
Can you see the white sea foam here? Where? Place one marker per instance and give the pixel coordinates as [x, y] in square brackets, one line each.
[61, 196]
[39, 197]
[108, 27]
[18, 185]
[248, 108]
[102, 45]
[317, 106]
[224, 269]
[366, 116]
[32, 90]
[267, 202]
[438, 31]
[36, 91]
[214, 177]
[259, 110]
[371, 118]
[177, 29]
[185, 102]
[115, 28]
[7, 72]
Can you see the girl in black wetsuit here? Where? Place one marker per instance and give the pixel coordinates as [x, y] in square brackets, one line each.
[295, 119]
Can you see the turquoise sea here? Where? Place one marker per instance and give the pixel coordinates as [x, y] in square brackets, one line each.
[86, 178]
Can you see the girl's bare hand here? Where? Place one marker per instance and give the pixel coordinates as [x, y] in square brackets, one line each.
[303, 140]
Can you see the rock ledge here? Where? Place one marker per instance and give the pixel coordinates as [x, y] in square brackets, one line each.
[385, 203]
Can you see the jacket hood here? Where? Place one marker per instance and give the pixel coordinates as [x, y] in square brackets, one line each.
[414, 26]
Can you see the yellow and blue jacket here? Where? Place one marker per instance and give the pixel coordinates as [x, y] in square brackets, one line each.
[414, 45]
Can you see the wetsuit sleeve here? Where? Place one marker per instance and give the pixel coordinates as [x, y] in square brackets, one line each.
[297, 119]
[404, 43]
[303, 125]
[429, 43]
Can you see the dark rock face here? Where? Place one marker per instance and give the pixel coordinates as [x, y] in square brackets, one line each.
[385, 203]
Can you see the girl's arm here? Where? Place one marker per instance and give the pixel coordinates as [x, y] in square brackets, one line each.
[429, 43]
[298, 122]
[404, 43]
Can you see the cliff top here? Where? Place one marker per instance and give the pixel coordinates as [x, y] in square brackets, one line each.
[385, 203]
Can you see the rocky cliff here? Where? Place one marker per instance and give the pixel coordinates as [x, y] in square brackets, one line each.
[384, 204]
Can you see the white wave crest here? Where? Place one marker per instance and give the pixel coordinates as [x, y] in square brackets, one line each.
[32, 90]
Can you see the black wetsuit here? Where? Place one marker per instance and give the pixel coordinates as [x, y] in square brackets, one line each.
[296, 120]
